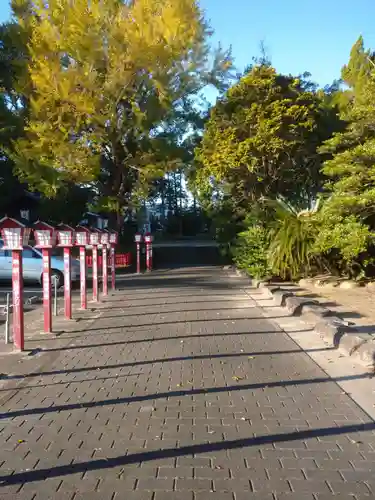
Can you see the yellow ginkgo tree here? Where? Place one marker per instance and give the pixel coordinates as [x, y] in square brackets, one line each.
[108, 79]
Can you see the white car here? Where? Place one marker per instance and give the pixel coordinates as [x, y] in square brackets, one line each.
[32, 262]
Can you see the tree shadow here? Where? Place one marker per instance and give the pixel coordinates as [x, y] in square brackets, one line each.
[179, 311]
[144, 305]
[365, 329]
[166, 395]
[163, 323]
[68, 382]
[144, 456]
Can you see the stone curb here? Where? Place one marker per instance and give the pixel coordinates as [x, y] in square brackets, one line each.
[296, 305]
[331, 328]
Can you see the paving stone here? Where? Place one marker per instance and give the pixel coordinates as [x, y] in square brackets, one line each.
[193, 484]
[155, 484]
[157, 399]
[213, 495]
[246, 495]
[354, 487]
[232, 485]
[309, 486]
[273, 485]
[172, 495]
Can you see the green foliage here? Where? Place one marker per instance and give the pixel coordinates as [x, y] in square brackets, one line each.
[250, 252]
[292, 236]
[359, 68]
[349, 213]
[348, 235]
[113, 85]
[262, 138]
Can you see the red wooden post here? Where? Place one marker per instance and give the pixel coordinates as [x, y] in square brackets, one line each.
[16, 235]
[66, 238]
[113, 240]
[67, 283]
[113, 267]
[94, 238]
[104, 240]
[45, 237]
[148, 239]
[95, 288]
[17, 288]
[105, 269]
[150, 252]
[82, 234]
[82, 262]
[47, 290]
[138, 239]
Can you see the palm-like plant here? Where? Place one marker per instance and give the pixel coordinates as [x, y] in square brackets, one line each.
[292, 235]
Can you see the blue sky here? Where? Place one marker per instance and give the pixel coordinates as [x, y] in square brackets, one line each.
[300, 36]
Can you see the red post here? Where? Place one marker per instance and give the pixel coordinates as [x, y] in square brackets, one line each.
[47, 290]
[105, 269]
[148, 257]
[113, 267]
[82, 261]
[17, 285]
[67, 284]
[138, 258]
[95, 289]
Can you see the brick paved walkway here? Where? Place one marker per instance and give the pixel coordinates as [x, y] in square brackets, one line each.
[182, 390]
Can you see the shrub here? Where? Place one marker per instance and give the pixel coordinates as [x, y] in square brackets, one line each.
[292, 236]
[250, 251]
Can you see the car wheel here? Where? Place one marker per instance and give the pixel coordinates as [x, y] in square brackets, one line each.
[57, 278]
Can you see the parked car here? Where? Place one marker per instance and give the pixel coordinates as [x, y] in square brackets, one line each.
[32, 261]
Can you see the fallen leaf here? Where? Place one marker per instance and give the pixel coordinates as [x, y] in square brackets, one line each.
[21, 441]
[237, 379]
[251, 357]
[220, 467]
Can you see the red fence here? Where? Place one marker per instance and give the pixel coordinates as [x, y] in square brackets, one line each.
[122, 260]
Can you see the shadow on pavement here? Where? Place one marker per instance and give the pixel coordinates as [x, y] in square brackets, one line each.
[163, 323]
[170, 394]
[195, 449]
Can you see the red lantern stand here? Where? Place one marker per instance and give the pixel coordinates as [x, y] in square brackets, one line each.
[138, 241]
[45, 237]
[65, 235]
[148, 241]
[113, 240]
[16, 235]
[94, 242]
[151, 258]
[82, 240]
[104, 240]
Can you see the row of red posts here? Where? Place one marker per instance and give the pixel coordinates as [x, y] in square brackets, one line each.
[16, 236]
[148, 239]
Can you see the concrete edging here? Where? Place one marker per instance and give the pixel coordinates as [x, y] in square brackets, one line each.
[331, 328]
